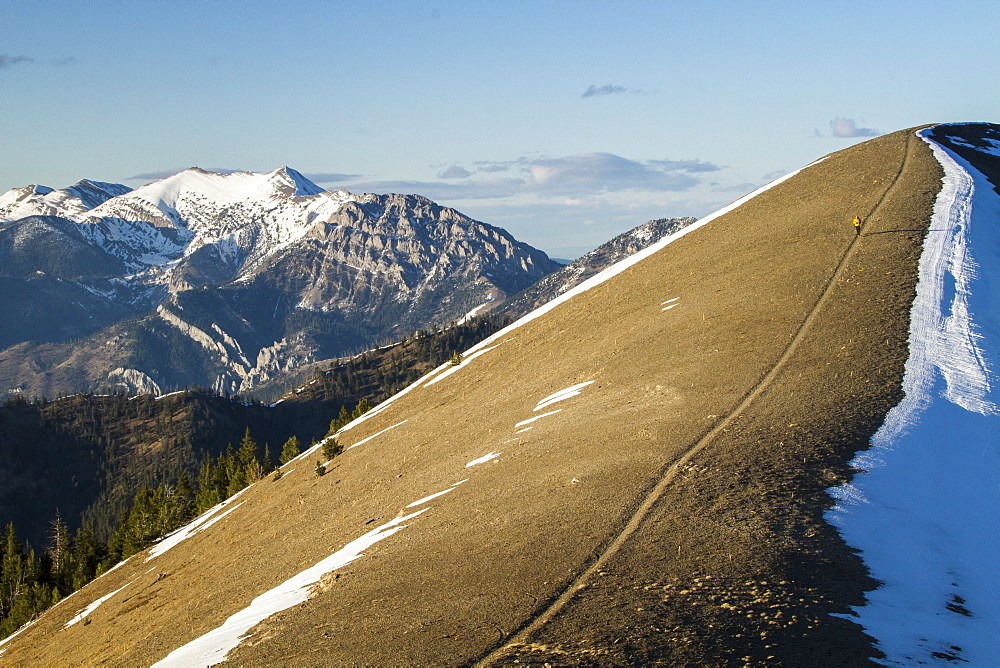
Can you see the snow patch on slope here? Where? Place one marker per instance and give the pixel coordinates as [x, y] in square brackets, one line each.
[562, 395]
[482, 460]
[200, 523]
[86, 612]
[213, 647]
[924, 512]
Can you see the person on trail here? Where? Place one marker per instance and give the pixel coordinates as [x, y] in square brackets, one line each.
[857, 226]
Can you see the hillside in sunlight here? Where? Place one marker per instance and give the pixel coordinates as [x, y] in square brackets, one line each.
[636, 472]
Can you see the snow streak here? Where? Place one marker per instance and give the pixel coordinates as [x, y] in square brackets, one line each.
[201, 523]
[86, 612]
[213, 647]
[482, 460]
[561, 395]
[365, 440]
[537, 417]
[466, 359]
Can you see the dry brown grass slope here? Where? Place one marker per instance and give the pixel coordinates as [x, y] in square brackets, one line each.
[671, 512]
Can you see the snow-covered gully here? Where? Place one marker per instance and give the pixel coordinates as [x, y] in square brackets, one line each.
[924, 511]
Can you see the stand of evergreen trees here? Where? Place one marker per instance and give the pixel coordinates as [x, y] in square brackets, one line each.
[31, 583]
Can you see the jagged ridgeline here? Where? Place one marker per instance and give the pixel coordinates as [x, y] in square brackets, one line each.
[227, 281]
[579, 270]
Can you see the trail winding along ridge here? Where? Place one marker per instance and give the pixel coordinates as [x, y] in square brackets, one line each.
[654, 494]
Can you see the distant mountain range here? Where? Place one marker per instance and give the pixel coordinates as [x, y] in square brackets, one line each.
[228, 280]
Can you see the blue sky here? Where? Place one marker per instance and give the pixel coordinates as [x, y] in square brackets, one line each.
[563, 122]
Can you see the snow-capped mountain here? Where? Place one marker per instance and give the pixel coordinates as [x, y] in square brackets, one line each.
[265, 251]
[241, 217]
[70, 202]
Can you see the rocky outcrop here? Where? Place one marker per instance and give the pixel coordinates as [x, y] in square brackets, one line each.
[132, 381]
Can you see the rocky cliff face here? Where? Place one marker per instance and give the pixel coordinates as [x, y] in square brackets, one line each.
[226, 280]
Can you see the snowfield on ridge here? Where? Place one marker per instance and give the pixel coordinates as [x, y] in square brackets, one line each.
[923, 511]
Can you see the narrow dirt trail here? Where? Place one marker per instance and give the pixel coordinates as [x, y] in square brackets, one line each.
[534, 624]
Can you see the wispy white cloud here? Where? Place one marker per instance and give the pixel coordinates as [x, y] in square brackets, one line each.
[686, 165]
[584, 174]
[610, 89]
[606, 172]
[607, 89]
[741, 188]
[7, 60]
[490, 166]
[329, 177]
[454, 172]
[848, 127]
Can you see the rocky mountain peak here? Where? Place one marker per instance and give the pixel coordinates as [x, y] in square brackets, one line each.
[95, 193]
[71, 202]
[301, 186]
[228, 268]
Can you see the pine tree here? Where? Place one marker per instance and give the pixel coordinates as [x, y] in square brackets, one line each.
[363, 407]
[248, 449]
[290, 450]
[155, 513]
[88, 553]
[184, 498]
[344, 417]
[230, 475]
[60, 553]
[11, 572]
[208, 495]
[246, 467]
[331, 448]
[223, 471]
[268, 463]
[59, 542]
